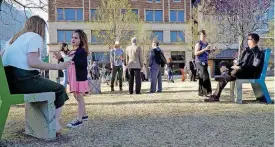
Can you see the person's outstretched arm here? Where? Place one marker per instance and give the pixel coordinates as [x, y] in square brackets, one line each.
[33, 56]
[34, 62]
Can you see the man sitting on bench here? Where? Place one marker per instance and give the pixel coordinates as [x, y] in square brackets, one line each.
[249, 67]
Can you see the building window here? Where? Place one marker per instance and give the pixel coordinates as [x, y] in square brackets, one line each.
[158, 35]
[126, 34]
[96, 39]
[176, 16]
[70, 14]
[154, 16]
[177, 36]
[135, 11]
[127, 11]
[60, 14]
[177, 0]
[93, 15]
[151, 1]
[64, 36]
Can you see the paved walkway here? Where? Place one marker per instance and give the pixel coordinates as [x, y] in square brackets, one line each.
[176, 117]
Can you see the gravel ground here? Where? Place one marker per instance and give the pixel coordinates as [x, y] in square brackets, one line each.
[176, 117]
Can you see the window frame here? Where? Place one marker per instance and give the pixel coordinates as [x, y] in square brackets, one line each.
[177, 16]
[96, 39]
[75, 14]
[64, 36]
[157, 1]
[90, 16]
[154, 15]
[177, 36]
[137, 11]
[153, 32]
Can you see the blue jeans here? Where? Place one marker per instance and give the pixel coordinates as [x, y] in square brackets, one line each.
[155, 79]
[170, 75]
[65, 78]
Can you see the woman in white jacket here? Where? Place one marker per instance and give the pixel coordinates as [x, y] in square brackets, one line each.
[64, 51]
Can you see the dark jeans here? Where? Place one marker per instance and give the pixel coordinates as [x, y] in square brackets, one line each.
[193, 75]
[26, 82]
[233, 75]
[170, 75]
[134, 74]
[204, 80]
[115, 70]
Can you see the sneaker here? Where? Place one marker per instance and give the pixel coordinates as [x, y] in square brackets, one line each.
[85, 118]
[74, 124]
[212, 99]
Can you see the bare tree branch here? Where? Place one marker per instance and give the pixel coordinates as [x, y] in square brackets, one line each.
[240, 14]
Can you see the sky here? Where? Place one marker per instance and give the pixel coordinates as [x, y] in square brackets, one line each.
[39, 12]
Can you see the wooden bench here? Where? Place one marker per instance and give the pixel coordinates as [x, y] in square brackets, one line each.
[258, 85]
[39, 110]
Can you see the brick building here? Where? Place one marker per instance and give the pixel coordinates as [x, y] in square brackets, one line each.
[167, 18]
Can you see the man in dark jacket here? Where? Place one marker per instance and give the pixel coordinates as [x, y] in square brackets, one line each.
[95, 72]
[193, 69]
[249, 67]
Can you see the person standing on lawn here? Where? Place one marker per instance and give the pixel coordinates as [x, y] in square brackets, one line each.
[134, 63]
[170, 66]
[64, 51]
[116, 55]
[202, 50]
[78, 73]
[193, 70]
[156, 62]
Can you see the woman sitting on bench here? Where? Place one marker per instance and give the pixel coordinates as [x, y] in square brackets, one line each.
[249, 67]
[22, 62]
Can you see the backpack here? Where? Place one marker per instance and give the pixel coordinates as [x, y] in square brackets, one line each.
[160, 58]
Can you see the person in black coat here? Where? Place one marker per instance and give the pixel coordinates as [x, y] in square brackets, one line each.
[193, 69]
[249, 67]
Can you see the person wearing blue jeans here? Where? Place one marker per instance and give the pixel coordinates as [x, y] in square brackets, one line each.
[116, 57]
[170, 66]
[155, 69]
